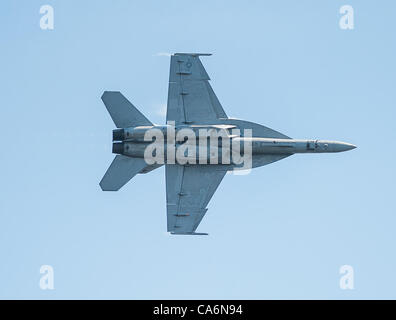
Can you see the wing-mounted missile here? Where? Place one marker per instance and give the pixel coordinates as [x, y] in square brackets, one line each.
[190, 234]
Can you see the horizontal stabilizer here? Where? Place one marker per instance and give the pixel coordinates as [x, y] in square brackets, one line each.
[123, 113]
[121, 170]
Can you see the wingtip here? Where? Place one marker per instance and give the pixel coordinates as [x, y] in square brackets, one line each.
[191, 54]
[106, 92]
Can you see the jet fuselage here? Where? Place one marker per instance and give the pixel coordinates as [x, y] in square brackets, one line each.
[134, 142]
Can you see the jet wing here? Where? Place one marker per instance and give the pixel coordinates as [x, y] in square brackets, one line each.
[190, 97]
[188, 191]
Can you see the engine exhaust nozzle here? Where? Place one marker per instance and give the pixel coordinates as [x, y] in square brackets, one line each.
[118, 135]
[118, 147]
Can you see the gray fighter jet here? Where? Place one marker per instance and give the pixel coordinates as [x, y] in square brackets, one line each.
[192, 104]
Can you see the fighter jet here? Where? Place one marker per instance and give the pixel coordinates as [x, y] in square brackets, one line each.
[192, 104]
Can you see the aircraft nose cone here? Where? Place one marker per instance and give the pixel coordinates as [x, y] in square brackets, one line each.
[343, 146]
[351, 147]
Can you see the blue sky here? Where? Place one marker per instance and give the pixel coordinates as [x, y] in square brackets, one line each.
[282, 231]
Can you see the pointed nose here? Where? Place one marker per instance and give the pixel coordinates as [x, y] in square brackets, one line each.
[343, 146]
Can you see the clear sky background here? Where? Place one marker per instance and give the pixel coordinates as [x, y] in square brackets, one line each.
[282, 231]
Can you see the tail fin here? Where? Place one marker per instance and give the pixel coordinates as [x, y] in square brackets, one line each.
[121, 170]
[123, 113]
